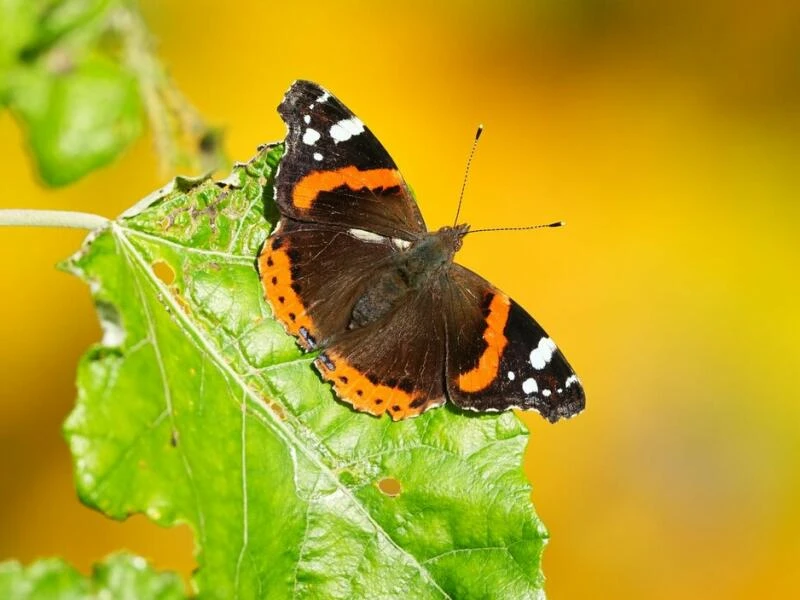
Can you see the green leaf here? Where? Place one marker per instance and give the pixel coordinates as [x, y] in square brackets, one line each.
[120, 577]
[77, 120]
[198, 408]
[30, 29]
[59, 18]
[18, 28]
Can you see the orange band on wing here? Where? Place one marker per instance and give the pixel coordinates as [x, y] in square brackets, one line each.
[355, 388]
[275, 269]
[309, 187]
[482, 376]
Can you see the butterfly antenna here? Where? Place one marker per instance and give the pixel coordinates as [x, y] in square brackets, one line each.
[554, 224]
[466, 172]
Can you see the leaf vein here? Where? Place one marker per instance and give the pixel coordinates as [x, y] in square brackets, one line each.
[235, 258]
[131, 254]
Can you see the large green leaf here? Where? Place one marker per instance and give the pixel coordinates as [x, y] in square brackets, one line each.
[121, 577]
[197, 408]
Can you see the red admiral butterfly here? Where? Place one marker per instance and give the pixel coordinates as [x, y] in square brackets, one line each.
[352, 271]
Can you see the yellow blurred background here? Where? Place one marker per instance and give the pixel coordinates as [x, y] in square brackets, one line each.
[666, 134]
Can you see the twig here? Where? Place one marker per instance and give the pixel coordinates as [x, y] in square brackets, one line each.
[178, 127]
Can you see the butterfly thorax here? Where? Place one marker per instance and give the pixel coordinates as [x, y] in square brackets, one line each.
[412, 270]
[431, 252]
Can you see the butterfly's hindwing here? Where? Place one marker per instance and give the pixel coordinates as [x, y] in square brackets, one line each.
[394, 364]
[498, 357]
[313, 276]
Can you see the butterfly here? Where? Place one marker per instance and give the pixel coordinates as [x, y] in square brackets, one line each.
[353, 273]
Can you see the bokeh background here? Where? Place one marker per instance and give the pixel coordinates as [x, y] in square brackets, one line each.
[666, 134]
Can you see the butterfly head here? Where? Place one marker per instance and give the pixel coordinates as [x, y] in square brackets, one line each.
[452, 237]
[434, 250]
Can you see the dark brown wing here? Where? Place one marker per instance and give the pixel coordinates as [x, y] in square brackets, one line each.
[313, 275]
[395, 364]
[499, 358]
[334, 170]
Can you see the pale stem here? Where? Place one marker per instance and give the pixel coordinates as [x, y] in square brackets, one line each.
[50, 218]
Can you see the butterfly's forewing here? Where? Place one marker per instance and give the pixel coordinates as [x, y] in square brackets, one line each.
[498, 357]
[335, 171]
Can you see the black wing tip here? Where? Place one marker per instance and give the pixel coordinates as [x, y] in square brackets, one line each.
[566, 407]
[304, 85]
[302, 92]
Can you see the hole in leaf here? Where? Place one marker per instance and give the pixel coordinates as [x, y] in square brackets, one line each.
[390, 486]
[113, 331]
[163, 271]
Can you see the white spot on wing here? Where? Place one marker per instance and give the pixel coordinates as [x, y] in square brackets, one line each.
[570, 380]
[307, 119]
[511, 376]
[542, 354]
[402, 244]
[529, 386]
[317, 156]
[366, 236]
[311, 136]
[546, 393]
[345, 129]
[324, 97]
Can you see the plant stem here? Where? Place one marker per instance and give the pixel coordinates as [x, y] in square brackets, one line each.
[178, 128]
[51, 218]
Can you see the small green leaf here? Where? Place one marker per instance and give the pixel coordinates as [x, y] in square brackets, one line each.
[30, 29]
[122, 577]
[59, 18]
[198, 408]
[77, 120]
[18, 28]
